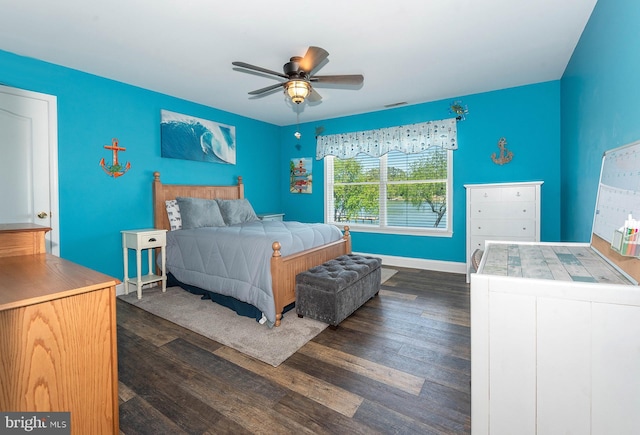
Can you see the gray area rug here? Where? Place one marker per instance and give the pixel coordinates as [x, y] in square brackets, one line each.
[387, 273]
[270, 345]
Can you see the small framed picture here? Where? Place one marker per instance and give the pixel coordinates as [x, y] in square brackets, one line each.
[300, 178]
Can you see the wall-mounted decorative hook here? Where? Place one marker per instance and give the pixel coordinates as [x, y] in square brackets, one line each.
[115, 169]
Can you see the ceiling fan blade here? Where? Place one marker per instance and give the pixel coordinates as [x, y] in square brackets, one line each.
[267, 89]
[350, 79]
[313, 58]
[258, 68]
[314, 96]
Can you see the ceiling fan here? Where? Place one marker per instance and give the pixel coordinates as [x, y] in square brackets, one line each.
[299, 75]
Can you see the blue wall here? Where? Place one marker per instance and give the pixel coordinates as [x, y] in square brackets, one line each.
[592, 109]
[600, 107]
[94, 208]
[528, 117]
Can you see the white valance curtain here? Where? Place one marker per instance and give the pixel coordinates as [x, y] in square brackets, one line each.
[409, 139]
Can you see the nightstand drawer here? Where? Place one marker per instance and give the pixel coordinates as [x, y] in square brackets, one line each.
[153, 240]
[145, 239]
[271, 216]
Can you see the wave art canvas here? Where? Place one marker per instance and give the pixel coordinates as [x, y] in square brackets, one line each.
[190, 138]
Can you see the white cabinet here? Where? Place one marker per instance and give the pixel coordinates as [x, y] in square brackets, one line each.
[503, 211]
[555, 342]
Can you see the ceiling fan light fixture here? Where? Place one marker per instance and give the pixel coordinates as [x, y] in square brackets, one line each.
[297, 90]
[298, 75]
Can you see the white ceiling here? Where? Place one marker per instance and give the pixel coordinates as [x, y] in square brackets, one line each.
[409, 51]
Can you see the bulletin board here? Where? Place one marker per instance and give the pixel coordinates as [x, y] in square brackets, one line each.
[618, 197]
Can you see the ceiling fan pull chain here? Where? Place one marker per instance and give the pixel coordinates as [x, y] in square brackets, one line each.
[297, 134]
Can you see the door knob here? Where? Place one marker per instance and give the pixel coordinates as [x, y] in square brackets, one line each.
[42, 215]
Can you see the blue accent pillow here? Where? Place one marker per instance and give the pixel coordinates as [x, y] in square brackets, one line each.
[236, 211]
[198, 212]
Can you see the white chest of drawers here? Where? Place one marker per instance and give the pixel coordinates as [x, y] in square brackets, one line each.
[502, 211]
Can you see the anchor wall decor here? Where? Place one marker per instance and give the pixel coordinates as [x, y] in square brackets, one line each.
[505, 154]
[115, 169]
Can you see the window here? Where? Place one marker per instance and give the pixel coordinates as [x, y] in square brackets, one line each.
[394, 193]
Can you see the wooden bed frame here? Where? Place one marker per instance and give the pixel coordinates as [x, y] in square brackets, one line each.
[283, 268]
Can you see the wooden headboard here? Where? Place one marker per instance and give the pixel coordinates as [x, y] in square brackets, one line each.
[165, 192]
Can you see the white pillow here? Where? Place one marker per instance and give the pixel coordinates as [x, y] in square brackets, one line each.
[173, 213]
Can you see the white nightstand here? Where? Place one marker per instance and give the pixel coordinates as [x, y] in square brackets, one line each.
[271, 216]
[141, 240]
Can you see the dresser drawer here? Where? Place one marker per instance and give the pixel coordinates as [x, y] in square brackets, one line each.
[478, 242]
[500, 228]
[504, 210]
[507, 194]
[520, 193]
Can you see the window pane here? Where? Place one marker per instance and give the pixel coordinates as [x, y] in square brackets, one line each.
[417, 205]
[429, 165]
[357, 169]
[398, 165]
[356, 203]
[397, 190]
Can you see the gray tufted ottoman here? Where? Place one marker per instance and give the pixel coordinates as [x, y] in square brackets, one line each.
[332, 291]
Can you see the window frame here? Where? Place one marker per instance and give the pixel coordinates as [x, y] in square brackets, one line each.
[415, 231]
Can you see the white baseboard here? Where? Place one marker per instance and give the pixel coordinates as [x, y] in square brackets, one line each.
[420, 263]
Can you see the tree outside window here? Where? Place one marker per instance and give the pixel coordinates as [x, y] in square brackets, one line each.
[395, 190]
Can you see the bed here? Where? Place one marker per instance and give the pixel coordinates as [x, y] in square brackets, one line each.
[282, 267]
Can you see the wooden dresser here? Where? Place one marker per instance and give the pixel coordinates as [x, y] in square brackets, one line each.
[22, 239]
[58, 341]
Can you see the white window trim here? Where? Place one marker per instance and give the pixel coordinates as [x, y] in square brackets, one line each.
[413, 231]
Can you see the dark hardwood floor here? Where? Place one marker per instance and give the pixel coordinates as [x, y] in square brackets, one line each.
[400, 364]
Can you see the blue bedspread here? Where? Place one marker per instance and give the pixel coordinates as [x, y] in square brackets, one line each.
[236, 260]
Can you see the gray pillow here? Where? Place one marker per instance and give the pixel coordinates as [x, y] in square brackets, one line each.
[236, 211]
[197, 212]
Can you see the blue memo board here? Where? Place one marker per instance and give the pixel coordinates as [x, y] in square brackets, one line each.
[618, 197]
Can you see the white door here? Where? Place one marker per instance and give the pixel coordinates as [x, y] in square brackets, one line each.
[29, 161]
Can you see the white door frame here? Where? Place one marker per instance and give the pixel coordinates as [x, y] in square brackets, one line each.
[52, 103]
